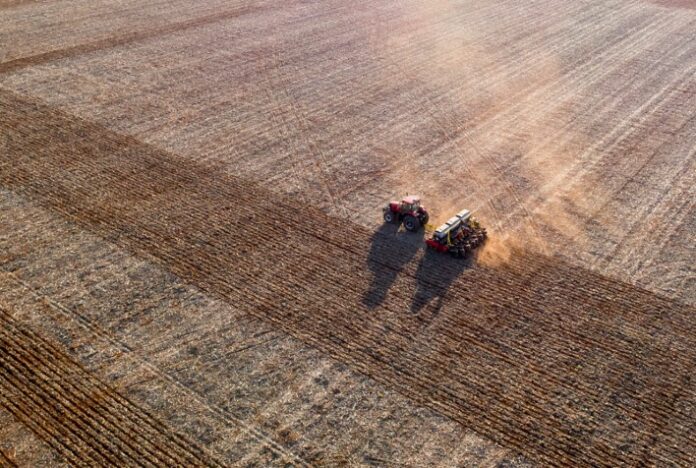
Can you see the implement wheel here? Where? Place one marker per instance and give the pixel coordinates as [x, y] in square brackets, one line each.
[458, 251]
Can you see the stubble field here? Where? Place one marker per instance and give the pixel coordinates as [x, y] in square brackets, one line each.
[194, 270]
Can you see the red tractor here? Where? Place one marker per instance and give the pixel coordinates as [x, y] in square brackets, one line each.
[409, 211]
[459, 235]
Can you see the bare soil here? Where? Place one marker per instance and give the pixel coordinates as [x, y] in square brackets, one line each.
[677, 3]
[565, 128]
[193, 271]
[497, 348]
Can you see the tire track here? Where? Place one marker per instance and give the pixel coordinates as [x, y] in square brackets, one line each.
[499, 356]
[585, 73]
[607, 102]
[629, 126]
[638, 223]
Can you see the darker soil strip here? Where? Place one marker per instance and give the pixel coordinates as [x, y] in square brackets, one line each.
[562, 364]
[6, 4]
[111, 42]
[5, 460]
[81, 417]
[14, 3]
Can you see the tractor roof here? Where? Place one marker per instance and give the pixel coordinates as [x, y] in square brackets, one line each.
[411, 199]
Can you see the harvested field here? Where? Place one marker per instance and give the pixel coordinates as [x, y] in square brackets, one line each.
[244, 395]
[512, 111]
[191, 271]
[482, 365]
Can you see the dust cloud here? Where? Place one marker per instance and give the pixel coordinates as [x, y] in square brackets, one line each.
[485, 132]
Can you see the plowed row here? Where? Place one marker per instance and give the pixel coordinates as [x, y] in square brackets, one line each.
[5, 461]
[562, 364]
[82, 418]
[83, 48]
[30, 309]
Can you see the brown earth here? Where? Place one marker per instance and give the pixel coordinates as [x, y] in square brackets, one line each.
[192, 268]
[676, 3]
[538, 355]
[565, 127]
[95, 425]
[206, 368]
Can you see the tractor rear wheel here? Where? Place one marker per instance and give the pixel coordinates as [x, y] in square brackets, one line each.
[411, 223]
[389, 216]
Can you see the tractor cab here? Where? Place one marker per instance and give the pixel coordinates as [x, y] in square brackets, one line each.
[410, 204]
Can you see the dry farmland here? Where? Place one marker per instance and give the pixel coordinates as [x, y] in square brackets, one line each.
[194, 271]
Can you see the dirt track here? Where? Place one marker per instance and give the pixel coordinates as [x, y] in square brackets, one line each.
[534, 353]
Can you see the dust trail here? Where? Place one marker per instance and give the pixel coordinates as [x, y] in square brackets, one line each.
[463, 61]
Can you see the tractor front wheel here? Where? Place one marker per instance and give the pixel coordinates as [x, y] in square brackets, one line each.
[424, 219]
[411, 223]
[389, 216]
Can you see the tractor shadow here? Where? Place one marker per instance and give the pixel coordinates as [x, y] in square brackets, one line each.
[391, 249]
[435, 274]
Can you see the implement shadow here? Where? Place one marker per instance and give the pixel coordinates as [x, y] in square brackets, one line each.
[435, 274]
[390, 251]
